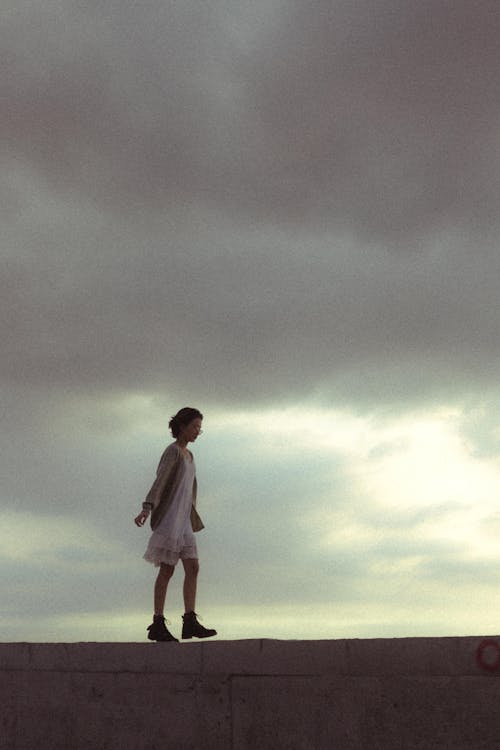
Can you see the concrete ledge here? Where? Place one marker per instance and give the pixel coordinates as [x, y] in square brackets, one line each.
[423, 693]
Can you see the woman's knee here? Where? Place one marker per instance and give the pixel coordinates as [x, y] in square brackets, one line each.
[166, 571]
[191, 567]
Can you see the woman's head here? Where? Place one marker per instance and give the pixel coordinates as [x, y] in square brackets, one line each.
[183, 419]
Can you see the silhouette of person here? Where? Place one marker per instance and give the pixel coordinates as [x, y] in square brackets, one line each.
[171, 502]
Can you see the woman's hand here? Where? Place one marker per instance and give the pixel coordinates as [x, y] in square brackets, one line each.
[141, 518]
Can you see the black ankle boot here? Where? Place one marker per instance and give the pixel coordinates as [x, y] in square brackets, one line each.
[191, 628]
[158, 631]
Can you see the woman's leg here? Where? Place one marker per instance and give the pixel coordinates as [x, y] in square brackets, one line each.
[191, 568]
[191, 628]
[164, 575]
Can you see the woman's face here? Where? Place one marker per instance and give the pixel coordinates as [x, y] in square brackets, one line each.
[191, 431]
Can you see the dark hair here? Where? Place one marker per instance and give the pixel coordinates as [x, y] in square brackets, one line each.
[183, 417]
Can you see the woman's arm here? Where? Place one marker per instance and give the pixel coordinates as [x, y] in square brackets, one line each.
[167, 462]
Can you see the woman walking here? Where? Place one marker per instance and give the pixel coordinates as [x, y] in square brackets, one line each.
[171, 501]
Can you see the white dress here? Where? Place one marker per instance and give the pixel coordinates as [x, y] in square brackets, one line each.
[174, 538]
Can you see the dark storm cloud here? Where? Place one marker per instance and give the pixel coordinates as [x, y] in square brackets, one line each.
[102, 99]
[381, 117]
[386, 113]
[287, 199]
[248, 324]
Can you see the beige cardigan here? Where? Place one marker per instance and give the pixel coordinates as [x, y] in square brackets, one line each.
[168, 477]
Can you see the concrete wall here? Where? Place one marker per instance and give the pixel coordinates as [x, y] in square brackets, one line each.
[425, 693]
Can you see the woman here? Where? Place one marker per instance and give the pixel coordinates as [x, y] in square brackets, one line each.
[171, 501]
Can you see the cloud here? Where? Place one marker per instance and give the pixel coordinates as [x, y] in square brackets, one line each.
[376, 117]
[309, 199]
[57, 565]
[383, 110]
[289, 519]
[285, 216]
[298, 317]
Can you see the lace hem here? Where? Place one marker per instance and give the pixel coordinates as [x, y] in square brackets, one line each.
[169, 551]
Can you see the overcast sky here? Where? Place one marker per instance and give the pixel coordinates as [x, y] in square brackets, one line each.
[286, 215]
